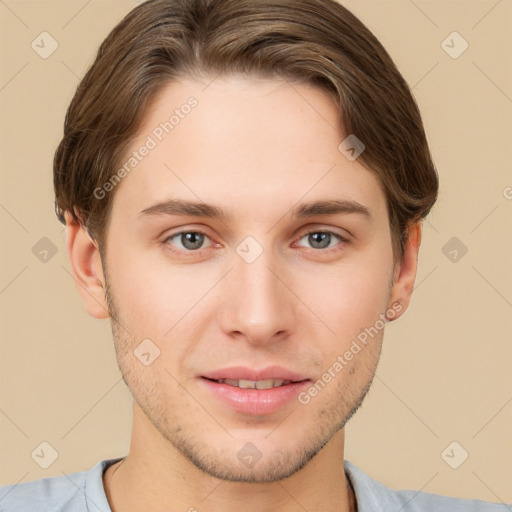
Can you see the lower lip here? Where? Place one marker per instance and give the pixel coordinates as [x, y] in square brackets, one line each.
[255, 401]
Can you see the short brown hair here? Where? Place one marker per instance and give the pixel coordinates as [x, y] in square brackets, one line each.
[310, 41]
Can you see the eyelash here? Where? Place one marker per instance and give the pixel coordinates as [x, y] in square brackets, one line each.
[327, 250]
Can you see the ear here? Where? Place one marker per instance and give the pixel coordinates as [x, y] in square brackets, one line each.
[86, 267]
[405, 272]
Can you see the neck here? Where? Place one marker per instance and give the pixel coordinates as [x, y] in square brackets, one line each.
[156, 476]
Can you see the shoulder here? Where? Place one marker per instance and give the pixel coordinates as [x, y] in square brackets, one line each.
[372, 496]
[45, 494]
[69, 493]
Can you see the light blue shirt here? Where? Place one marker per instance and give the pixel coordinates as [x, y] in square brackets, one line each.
[83, 492]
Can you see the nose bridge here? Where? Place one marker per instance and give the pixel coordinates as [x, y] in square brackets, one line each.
[257, 304]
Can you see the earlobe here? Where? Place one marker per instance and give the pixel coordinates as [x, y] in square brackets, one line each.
[405, 272]
[86, 267]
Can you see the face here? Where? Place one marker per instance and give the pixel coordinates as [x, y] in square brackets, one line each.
[285, 276]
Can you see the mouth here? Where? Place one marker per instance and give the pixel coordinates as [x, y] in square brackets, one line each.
[245, 377]
[254, 392]
[254, 384]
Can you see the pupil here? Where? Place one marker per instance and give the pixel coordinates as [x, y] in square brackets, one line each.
[320, 240]
[191, 240]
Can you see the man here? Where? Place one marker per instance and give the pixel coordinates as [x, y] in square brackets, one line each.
[243, 184]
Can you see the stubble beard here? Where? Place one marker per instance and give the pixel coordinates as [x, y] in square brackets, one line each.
[221, 461]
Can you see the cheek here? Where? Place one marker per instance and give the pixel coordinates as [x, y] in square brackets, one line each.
[153, 295]
[348, 298]
[142, 293]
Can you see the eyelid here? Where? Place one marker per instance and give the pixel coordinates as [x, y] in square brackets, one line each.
[324, 229]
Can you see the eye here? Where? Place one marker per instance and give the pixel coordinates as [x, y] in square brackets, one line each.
[322, 239]
[193, 241]
[189, 240]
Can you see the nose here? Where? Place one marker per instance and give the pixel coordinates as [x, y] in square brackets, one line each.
[256, 303]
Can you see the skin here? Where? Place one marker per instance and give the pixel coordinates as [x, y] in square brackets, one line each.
[255, 148]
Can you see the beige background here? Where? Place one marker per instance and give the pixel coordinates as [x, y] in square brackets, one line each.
[445, 373]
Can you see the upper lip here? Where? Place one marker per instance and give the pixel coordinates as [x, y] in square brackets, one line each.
[245, 373]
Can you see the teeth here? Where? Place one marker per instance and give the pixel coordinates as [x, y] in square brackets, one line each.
[255, 384]
[270, 383]
[247, 384]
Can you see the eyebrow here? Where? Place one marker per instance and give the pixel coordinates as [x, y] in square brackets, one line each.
[304, 210]
[330, 207]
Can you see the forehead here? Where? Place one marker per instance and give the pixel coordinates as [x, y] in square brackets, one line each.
[255, 145]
